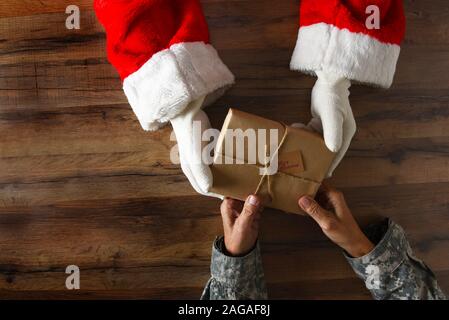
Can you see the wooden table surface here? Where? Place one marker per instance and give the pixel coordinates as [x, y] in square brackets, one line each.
[81, 183]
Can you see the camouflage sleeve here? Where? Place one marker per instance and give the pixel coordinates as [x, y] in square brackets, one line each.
[391, 271]
[235, 278]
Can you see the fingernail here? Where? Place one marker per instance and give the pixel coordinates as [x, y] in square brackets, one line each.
[305, 202]
[253, 200]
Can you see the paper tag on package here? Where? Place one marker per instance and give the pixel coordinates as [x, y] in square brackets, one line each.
[291, 162]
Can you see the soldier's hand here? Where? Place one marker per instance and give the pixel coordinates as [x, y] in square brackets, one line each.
[332, 214]
[241, 224]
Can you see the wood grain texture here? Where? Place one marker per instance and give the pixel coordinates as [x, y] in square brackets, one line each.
[81, 183]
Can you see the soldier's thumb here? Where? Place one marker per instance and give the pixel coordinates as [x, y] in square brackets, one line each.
[314, 210]
[251, 207]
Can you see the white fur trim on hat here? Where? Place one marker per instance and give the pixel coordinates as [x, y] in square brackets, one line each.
[165, 85]
[355, 56]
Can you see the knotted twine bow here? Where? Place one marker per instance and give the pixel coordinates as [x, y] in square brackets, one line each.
[266, 175]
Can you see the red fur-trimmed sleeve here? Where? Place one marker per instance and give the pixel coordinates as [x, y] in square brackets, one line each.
[162, 53]
[334, 35]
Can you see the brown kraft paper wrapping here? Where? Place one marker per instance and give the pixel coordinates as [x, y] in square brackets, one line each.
[303, 161]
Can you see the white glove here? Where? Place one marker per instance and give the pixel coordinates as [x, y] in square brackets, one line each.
[331, 114]
[190, 145]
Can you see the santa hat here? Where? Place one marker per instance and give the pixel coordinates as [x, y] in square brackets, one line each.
[161, 50]
[334, 36]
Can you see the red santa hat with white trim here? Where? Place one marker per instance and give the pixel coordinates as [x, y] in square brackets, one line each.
[338, 36]
[162, 52]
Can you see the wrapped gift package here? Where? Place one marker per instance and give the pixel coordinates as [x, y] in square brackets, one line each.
[302, 158]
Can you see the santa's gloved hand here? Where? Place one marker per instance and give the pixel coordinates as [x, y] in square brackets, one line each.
[332, 115]
[190, 145]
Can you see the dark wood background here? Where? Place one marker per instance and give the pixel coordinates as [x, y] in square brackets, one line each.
[81, 183]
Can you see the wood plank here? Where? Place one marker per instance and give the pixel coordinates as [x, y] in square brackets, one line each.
[50, 162]
[17, 8]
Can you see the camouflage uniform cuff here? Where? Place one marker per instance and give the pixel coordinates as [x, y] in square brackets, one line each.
[388, 254]
[233, 270]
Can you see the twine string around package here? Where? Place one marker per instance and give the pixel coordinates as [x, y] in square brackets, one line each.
[265, 174]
